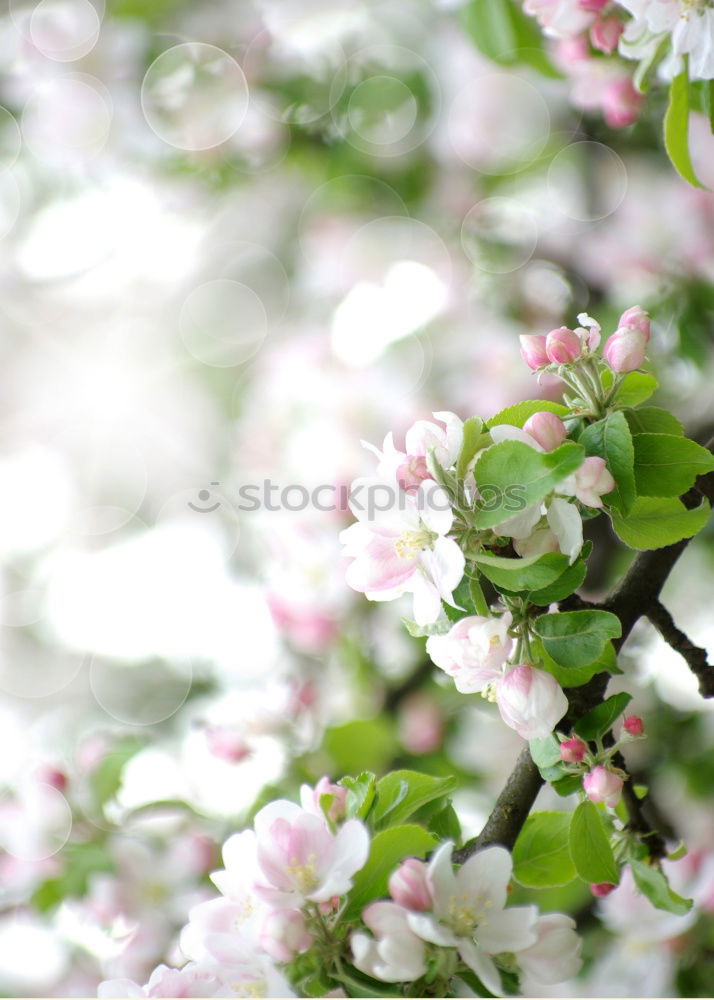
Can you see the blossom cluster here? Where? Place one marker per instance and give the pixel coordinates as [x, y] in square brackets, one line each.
[428, 540]
[285, 904]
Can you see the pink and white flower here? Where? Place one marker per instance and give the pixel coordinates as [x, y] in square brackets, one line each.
[690, 24]
[408, 467]
[560, 18]
[469, 911]
[310, 799]
[408, 885]
[555, 956]
[473, 651]
[395, 954]
[589, 483]
[405, 549]
[284, 934]
[530, 701]
[601, 785]
[625, 350]
[193, 980]
[300, 859]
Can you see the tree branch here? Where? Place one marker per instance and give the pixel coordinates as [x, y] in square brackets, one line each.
[633, 599]
[695, 656]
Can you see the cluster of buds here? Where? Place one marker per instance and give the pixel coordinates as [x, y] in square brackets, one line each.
[571, 355]
[602, 781]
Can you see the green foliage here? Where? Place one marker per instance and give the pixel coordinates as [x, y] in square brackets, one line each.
[401, 793]
[541, 856]
[566, 584]
[472, 442]
[529, 573]
[510, 464]
[360, 794]
[387, 849]
[440, 627]
[590, 848]
[652, 883]
[518, 414]
[634, 389]
[575, 676]
[610, 438]
[105, 780]
[599, 719]
[666, 465]
[503, 33]
[676, 127]
[657, 521]
[80, 862]
[576, 638]
[652, 420]
[365, 744]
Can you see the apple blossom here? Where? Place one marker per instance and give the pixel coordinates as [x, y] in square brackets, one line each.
[605, 34]
[563, 346]
[405, 549]
[593, 6]
[559, 18]
[690, 24]
[472, 651]
[284, 934]
[590, 482]
[635, 318]
[530, 701]
[193, 980]
[396, 954]
[311, 799]
[408, 885]
[408, 467]
[589, 331]
[555, 956]
[223, 930]
[602, 889]
[566, 524]
[301, 859]
[633, 725]
[533, 350]
[469, 911]
[601, 785]
[540, 540]
[546, 429]
[572, 751]
[624, 351]
[621, 103]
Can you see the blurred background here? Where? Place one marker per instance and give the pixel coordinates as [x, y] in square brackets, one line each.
[237, 239]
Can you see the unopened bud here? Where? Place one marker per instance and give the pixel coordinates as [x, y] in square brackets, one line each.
[601, 889]
[572, 751]
[533, 350]
[547, 429]
[408, 885]
[563, 346]
[633, 725]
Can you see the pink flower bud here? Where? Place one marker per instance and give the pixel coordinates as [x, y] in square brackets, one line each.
[408, 885]
[547, 429]
[633, 725]
[530, 701]
[592, 480]
[563, 346]
[621, 103]
[49, 775]
[602, 785]
[572, 751]
[533, 350]
[284, 934]
[637, 319]
[412, 472]
[601, 889]
[592, 6]
[336, 809]
[605, 34]
[227, 744]
[625, 350]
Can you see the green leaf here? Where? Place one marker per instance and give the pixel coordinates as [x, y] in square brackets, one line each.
[634, 389]
[575, 676]
[472, 441]
[589, 847]
[568, 784]
[105, 780]
[561, 588]
[387, 849]
[545, 752]
[541, 857]
[652, 420]
[504, 34]
[611, 439]
[511, 476]
[360, 794]
[576, 638]
[666, 465]
[647, 67]
[655, 522]
[653, 884]
[442, 822]
[356, 984]
[439, 627]
[598, 720]
[401, 793]
[365, 744]
[676, 127]
[522, 574]
[518, 414]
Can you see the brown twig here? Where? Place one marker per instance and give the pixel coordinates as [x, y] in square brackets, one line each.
[695, 656]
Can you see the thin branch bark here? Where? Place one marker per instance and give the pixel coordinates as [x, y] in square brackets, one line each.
[695, 656]
[636, 595]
